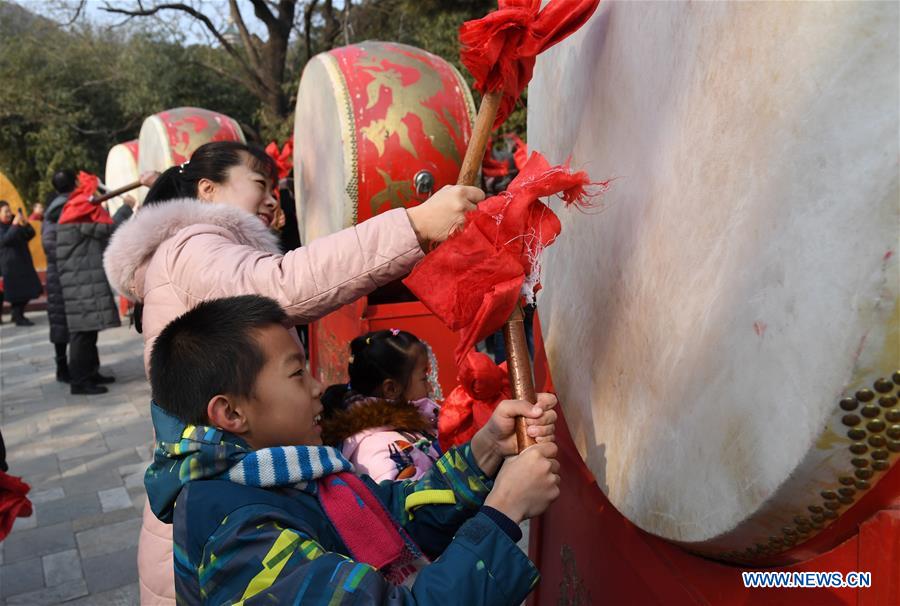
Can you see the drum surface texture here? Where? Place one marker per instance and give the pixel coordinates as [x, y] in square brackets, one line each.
[724, 330]
[170, 137]
[372, 121]
[122, 169]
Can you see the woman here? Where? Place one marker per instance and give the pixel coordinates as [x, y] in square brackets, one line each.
[20, 281]
[203, 233]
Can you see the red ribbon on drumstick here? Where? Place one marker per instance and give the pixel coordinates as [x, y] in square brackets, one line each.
[495, 254]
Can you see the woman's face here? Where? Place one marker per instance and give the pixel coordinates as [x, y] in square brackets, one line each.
[6, 215]
[243, 188]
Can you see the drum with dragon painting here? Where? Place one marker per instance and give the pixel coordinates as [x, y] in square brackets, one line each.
[170, 137]
[378, 125]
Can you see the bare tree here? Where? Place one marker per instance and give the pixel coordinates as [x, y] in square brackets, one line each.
[261, 63]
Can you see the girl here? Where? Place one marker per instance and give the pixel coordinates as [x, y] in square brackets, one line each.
[383, 420]
[203, 233]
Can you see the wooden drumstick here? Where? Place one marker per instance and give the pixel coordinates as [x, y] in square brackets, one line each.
[484, 121]
[116, 192]
[518, 360]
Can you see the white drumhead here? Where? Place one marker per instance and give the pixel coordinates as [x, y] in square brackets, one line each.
[323, 172]
[743, 276]
[170, 137]
[122, 169]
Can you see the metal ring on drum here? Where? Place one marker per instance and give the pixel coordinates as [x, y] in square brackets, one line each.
[725, 336]
[122, 169]
[170, 137]
[378, 125]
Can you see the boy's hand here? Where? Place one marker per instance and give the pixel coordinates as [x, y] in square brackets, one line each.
[527, 483]
[497, 439]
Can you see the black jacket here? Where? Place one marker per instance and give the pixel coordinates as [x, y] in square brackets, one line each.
[56, 304]
[79, 254]
[20, 280]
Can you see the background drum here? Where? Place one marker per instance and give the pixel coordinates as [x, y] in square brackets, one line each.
[122, 169]
[170, 137]
[371, 118]
[725, 335]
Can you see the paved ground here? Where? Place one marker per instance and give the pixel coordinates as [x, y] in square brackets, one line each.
[84, 458]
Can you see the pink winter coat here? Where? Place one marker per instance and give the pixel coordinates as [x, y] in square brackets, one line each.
[174, 255]
[383, 439]
[389, 453]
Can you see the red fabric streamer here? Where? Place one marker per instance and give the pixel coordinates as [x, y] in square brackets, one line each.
[499, 50]
[491, 167]
[482, 385]
[80, 208]
[473, 281]
[284, 159]
[13, 502]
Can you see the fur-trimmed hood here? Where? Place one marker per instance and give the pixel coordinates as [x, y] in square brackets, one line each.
[132, 246]
[375, 413]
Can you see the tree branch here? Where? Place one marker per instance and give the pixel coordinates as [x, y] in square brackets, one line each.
[78, 10]
[142, 12]
[307, 26]
[262, 12]
[245, 34]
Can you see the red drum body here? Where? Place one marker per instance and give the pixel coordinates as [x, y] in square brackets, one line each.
[170, 137]
[725, 336]
[378, 126]
[122, 169]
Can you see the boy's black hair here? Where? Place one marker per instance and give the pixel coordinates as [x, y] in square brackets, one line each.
[210, 350]
[375, 356]
[63, 181]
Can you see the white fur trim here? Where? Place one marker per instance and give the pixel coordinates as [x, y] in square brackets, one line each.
[133, 244]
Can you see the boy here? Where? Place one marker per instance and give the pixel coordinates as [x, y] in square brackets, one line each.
[264, 514]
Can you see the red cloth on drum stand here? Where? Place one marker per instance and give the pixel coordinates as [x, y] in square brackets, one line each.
[499, 50]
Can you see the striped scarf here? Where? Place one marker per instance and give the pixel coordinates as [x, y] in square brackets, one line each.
[361, 520]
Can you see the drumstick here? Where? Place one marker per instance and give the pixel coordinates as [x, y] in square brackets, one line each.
[518, 361]
[116, 192]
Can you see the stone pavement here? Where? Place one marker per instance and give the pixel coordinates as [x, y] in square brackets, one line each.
[84, 457]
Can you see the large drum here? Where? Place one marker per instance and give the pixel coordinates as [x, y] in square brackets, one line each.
[378, 126]
[122, 169]
[170, 137]
[725, 334]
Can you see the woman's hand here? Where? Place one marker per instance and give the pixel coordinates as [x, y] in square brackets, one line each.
[148, 178]
[443, 213]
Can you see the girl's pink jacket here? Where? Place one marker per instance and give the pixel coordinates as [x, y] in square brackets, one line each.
[176, 254]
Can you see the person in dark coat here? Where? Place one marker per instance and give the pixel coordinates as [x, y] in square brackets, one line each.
[63, 183]
[20, 280]
[82, 233]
